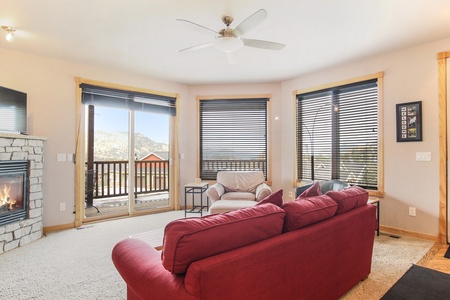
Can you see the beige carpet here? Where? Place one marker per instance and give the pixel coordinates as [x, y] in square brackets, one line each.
[76, 264]
[391, 259]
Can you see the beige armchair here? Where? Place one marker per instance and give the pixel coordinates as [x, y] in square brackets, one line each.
[237, 189]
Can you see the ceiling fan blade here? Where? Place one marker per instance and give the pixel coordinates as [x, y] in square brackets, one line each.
[198, 25]
[250, 22]
[263, 44]
[198, 47]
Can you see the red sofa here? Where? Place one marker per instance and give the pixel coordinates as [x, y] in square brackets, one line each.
[312, 248]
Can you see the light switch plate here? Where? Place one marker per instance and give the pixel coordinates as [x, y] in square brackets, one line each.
[61, 157]
[423, 156]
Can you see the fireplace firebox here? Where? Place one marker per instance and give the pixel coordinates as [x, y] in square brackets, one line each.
[13, 191]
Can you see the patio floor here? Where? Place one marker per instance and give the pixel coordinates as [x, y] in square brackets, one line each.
[119, 205]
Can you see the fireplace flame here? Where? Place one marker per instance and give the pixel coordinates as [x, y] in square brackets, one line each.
[5, 197]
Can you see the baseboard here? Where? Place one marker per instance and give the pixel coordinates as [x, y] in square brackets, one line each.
[77, 224]
[403, 232]
[48, 229]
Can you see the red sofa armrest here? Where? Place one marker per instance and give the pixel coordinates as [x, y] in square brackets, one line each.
[140, 266]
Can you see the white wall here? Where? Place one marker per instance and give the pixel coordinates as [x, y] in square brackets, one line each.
[51, 88]
[410, 75]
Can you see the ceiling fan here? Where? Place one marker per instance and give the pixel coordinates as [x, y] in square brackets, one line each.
[229, 40]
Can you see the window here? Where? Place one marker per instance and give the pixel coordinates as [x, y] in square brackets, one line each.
[233, 136]
[337, 134]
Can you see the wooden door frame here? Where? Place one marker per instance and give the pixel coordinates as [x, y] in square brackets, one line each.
[174, 173]
[443, 151]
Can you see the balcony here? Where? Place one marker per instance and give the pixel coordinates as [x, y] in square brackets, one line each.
[106, 187]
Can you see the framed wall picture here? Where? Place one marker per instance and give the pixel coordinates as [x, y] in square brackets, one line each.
[409, 122]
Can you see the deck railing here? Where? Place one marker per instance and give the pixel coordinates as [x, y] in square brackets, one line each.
[209, 168]
[110, 178]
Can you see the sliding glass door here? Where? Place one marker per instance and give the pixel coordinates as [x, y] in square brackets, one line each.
[152, 153]
[126, 141]
[112, 186]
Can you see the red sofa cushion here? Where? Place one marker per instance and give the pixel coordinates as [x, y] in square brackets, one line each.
[349, 198]
[274, 198]
[306, 211]
[312, 191]
[191, 239]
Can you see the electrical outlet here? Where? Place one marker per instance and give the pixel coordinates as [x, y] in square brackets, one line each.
[291, 194]
[412, 211]
[62, 207]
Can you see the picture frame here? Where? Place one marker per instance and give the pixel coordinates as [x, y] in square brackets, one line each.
[409, 121]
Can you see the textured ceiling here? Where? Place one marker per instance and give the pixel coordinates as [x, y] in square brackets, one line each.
[143, 37]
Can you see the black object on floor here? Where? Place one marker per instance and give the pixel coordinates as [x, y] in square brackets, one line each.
[447, 254]
[420, 283]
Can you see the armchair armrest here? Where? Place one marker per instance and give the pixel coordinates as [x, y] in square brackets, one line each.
[262, 191]
[140, 267]
[215, 191]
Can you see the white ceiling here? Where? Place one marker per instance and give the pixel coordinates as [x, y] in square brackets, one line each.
[143, 36]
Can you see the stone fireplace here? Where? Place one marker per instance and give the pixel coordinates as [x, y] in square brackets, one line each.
[21, 170]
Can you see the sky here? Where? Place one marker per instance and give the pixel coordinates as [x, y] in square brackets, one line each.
[153, 126]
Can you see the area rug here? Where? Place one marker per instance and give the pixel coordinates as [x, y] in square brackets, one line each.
[392, 257]
[420, 283]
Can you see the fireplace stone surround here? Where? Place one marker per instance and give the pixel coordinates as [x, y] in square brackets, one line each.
[31, 148]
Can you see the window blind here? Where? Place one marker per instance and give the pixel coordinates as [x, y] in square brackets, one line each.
[102, 96]
[233, 136]
[337, 134]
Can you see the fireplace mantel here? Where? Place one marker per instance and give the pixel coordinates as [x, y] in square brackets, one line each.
[21, 136]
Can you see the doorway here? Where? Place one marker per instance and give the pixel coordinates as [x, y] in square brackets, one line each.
[124, 154]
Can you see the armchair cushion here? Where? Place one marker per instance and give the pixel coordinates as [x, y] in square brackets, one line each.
[262, 191]
[238, 196]
[237, 189]
[223, 206]
[240, 181]
[215, 191]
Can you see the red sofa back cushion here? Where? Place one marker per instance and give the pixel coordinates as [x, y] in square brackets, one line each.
[191, 239]
[306, 211]
[349, 198]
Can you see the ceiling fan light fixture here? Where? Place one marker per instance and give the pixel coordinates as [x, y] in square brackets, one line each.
[10, 33]
[228, 44]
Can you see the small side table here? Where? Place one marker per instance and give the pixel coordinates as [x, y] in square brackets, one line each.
[376, 201]
[195, 189]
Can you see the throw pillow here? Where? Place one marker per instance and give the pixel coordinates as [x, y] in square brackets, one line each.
[306, 211]
[274, 198]
[191, 239]
[312, 191]
[349, 198]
